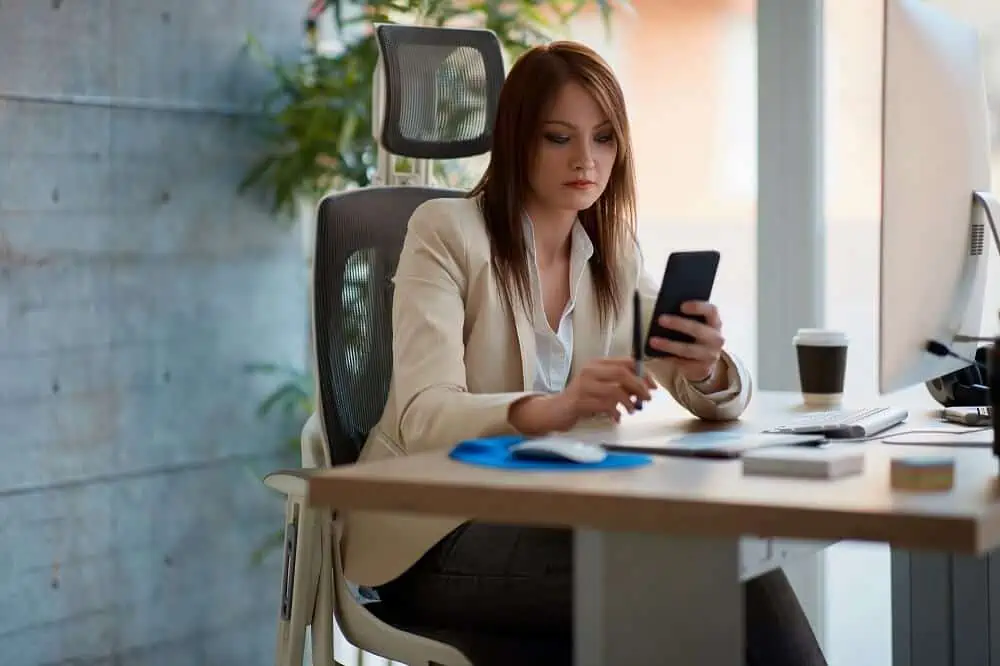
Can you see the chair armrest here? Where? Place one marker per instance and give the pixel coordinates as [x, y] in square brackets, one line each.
[314, 453]
[293, 482]
[289, 482]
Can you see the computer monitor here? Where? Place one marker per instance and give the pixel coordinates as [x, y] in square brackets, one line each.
[935, 184]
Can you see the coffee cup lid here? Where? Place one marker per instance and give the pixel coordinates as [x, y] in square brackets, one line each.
[820, 337]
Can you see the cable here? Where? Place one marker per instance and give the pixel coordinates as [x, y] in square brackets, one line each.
[972, 338]
[925, 431]
[942, 350]
[985, 201]
[935, 431]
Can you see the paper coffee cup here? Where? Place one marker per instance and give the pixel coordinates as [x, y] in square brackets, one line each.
[822, 360]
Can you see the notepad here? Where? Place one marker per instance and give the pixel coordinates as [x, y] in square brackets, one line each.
[713, 444]
[825, 462]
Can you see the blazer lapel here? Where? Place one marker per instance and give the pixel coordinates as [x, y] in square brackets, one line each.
[526, 342]
[590, 339]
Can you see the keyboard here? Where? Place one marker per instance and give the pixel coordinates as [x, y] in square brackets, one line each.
[845, 424]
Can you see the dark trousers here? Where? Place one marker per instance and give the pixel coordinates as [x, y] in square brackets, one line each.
[518, 581]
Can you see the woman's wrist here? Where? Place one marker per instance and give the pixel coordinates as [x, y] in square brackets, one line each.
[706, 379]
[541, 414]
[717, 375]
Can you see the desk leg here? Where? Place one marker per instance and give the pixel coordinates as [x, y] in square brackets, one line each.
[943, 609]
[656, 599]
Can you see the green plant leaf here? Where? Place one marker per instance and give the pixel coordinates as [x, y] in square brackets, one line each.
[274, 541]
[272, 369]
[316, 122]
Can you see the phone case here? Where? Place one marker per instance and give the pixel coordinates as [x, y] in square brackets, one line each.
[688, 276]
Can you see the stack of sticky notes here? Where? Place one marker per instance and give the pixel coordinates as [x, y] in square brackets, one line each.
[922, 473]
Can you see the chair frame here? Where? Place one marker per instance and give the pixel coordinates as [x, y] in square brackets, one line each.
[314, 593]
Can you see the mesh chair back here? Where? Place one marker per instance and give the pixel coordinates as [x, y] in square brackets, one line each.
[441, 90]
[359, 236]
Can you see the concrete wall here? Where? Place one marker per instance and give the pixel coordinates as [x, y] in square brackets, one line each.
[134, 285]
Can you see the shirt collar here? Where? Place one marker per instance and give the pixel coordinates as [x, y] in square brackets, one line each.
[581, 247]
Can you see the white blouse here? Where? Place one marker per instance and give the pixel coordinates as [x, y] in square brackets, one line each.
[554, 349]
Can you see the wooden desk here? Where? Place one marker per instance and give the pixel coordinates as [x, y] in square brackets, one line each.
[653, 544]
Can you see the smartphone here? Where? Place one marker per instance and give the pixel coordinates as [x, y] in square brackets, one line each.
[689, 276]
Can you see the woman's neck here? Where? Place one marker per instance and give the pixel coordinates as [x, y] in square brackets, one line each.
[553, 231]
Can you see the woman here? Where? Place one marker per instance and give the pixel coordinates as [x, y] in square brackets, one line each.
[511, 314]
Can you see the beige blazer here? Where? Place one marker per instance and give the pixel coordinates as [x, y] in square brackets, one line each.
[460, 360]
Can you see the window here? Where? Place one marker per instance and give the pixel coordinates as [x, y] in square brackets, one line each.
[687, 69]
[858, 576]
[853, 161]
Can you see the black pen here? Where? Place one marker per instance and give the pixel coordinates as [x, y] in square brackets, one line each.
[637, 339]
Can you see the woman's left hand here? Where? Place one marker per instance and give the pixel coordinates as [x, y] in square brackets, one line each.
[696, 361]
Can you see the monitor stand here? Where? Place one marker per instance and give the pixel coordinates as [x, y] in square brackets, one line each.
[991, 209]
[989, 206]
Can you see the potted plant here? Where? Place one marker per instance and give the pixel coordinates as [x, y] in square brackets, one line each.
[316, 120]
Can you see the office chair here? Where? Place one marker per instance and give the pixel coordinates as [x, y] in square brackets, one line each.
[435, 97]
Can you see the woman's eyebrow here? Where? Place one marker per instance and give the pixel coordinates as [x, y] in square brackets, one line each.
[570, 125]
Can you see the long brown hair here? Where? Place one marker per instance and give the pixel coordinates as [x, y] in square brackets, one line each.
[527, 94]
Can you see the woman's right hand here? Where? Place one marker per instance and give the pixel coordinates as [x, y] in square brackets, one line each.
[604, 384]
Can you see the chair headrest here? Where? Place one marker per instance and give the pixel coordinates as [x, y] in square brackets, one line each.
[441, 90]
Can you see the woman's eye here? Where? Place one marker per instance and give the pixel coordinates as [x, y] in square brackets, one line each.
[556, 138]
[605, 138]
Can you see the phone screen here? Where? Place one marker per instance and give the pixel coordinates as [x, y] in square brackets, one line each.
[689, 276]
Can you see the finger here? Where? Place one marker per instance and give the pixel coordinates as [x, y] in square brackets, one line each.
[624, 397]
[610, 365]
[616, 370]
[700, 331]
[692, 327]
[631, 393]
[695, 351]
[635, 385]
[704, 309]
[613, 414]
[607, 404]
[623, 371]
[606, 396]
[685, 350]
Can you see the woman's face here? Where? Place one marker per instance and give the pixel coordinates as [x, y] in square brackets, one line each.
[576, 153]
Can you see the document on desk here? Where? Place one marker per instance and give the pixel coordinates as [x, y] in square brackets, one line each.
[975, 438]
[711, 444]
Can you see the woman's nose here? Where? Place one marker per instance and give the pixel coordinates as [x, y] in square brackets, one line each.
[584, 159]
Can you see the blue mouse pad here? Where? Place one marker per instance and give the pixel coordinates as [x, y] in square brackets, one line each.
[495, 452]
